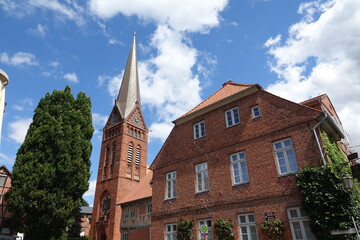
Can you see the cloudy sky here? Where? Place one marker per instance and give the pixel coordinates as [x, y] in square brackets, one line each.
[186, 50]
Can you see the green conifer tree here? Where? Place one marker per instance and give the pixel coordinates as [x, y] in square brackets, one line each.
[52, 166]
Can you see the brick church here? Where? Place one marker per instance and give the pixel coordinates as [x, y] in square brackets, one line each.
[234, 156]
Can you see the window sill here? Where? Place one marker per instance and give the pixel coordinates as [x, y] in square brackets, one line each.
[206, 191]
[169, 199]
[232, 125]
[288, 174]
[199, 137]
[240, 184]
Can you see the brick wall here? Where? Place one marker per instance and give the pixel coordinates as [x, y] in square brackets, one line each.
[265, 191]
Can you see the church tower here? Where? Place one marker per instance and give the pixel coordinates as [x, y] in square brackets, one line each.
[123, 153]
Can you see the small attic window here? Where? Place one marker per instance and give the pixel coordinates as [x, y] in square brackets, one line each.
[255, 111]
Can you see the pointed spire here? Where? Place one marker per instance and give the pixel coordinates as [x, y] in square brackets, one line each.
[129, 93]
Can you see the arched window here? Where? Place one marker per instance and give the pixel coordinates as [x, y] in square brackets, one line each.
[107, 155]
[137, 157]
[130, 152]
[113, 152]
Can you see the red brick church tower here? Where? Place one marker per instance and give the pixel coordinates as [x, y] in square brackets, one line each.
[123, 155]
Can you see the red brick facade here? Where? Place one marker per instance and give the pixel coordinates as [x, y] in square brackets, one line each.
[118, 173]
[266, 191]
[5, 214]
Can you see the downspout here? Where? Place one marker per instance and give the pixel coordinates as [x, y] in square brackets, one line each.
[317, 139]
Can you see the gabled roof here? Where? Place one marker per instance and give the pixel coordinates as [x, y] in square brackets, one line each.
[6, 170]
[228, 91]
[86, 210]
[141, 191]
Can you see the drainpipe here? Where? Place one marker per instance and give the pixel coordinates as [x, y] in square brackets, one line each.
[317, 139]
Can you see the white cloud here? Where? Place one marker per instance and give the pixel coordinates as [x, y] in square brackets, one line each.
[6, 160]
[23, 104]
[99, 120]
[66, 10]
[91, 190]
[39, 31]
[322, 55]
[18, 59]
[18, 129]
[170, 80]
[71, 77]
[181, 15]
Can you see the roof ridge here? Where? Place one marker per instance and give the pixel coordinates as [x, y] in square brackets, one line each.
[313, 98]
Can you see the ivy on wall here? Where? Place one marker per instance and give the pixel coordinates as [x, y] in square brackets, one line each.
[329, 204]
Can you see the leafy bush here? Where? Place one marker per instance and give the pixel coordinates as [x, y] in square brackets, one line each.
[185, 229]
[224, 229]
[274, 230]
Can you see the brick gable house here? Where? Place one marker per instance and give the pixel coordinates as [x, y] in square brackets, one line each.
[234, 156]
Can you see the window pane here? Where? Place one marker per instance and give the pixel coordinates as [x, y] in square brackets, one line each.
[287, 143]
[251, 218]
[293, 213]
[278, 145]
[242, 219]
[236, 116]
[297, 231]
[253, 233]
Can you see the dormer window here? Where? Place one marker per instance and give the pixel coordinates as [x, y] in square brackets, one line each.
[199, 129]
[232, 117]
[255, 111]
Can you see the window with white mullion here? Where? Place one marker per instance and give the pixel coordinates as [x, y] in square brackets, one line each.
[232, 117]
[285, 156]
[170, 231]
[206, 222]
[239, 168]
[199, 129]
[247, 226]
[299, 224]
[202, 178]
[171, 185]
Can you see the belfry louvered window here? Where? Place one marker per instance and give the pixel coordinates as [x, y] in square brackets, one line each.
[130, 152]
[137, 157]
[107, 158]
[113, 152]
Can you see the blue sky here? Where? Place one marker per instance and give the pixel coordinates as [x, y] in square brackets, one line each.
[186, 50]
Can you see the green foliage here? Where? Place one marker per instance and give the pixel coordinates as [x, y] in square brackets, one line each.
[224, 229]
[185, 229]
[329, 205]
[338, 162]
[52, 166]
[274, 230]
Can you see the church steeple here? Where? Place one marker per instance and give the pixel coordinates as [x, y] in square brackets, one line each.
[129, 93]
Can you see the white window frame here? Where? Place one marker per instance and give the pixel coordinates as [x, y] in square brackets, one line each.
[232, 114]
[170, 190]
[170, 231]
[208, 222]
[238, 163]
[285, 151]
[124, 236]
[253, 113]
[300, 218]
[248, 225]
[148, 208]
[199, 130]
[202, 177]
